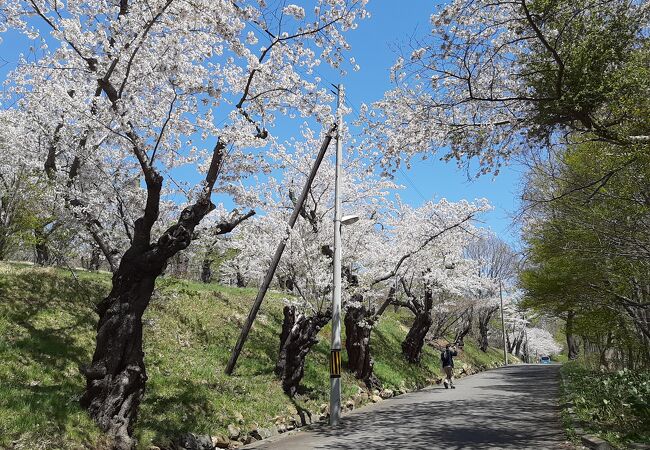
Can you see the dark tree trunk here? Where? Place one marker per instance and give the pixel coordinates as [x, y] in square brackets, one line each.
[526, 353]
[285, 283]
[573, 347]
[115, 382]
[484, 318]
[483, 341]
[206, 271]
[3, 246]
[359, 322]
[509, 345]
[518, 347]
[43, 257]
[464, 328]
[297, 338]
[94, 262]
[414, 341]
[241, 281]
[602, 358]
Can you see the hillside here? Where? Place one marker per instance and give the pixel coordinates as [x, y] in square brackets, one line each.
[47, 329]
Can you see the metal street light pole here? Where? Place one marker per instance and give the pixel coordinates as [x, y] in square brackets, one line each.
[335, 354]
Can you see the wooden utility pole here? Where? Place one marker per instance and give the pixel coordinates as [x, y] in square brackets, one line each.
[278, 254]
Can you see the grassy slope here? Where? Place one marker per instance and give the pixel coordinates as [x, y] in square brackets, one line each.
[47, 330]
[612, 405]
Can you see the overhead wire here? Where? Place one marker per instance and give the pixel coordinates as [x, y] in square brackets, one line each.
[356, 112]
[408, 179]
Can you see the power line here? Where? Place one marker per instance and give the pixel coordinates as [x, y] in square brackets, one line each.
[412, 184]
[399, 168]
[356, 112]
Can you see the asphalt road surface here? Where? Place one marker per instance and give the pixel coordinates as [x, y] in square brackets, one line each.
[509, 408]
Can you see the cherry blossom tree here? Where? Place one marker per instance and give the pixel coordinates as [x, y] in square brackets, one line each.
[141, 85]
[438, 292]
[305, 269]
[540, 342]
[416, 263]
[497, 264]
[493, 78]
[391, 241]
[30, 216]
[17, 177]
[516, 320]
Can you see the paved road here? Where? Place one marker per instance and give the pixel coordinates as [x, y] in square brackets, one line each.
[509, 408]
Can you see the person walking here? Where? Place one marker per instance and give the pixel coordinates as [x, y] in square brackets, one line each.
[447, 359]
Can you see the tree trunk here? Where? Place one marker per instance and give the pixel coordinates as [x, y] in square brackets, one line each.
[518, 347]
[3, 246]
[115, 382]
[94, 262]
[414, 341]
[241, 281]
[179, 265]
[206, 271]
[483, 342]
[571, 340]
[484, 318]
[359, 322]
[285, 283]
[43, 257]
[464, 328]
[526, 353]
[297, 338]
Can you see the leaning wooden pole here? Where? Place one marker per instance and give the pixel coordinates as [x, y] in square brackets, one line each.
[278, 254]
[503, 326]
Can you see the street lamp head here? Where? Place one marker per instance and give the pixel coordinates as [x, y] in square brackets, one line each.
[349, 220]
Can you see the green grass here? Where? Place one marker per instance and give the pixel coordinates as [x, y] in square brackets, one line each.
[390, 367]
[47, 322]
[561, 358]
[612, 405]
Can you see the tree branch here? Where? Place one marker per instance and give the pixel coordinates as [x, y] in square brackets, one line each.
[393, 272]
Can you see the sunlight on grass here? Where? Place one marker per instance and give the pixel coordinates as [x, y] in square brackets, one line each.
[613, 405]
[47, 324]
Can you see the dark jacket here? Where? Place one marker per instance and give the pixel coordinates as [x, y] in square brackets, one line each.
[447, 358]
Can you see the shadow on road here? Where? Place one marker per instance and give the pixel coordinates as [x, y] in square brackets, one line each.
[507, 408]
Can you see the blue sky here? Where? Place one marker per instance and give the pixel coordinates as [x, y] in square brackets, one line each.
[373, 47]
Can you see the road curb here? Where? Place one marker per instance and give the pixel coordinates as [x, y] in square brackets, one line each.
[595, 442]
